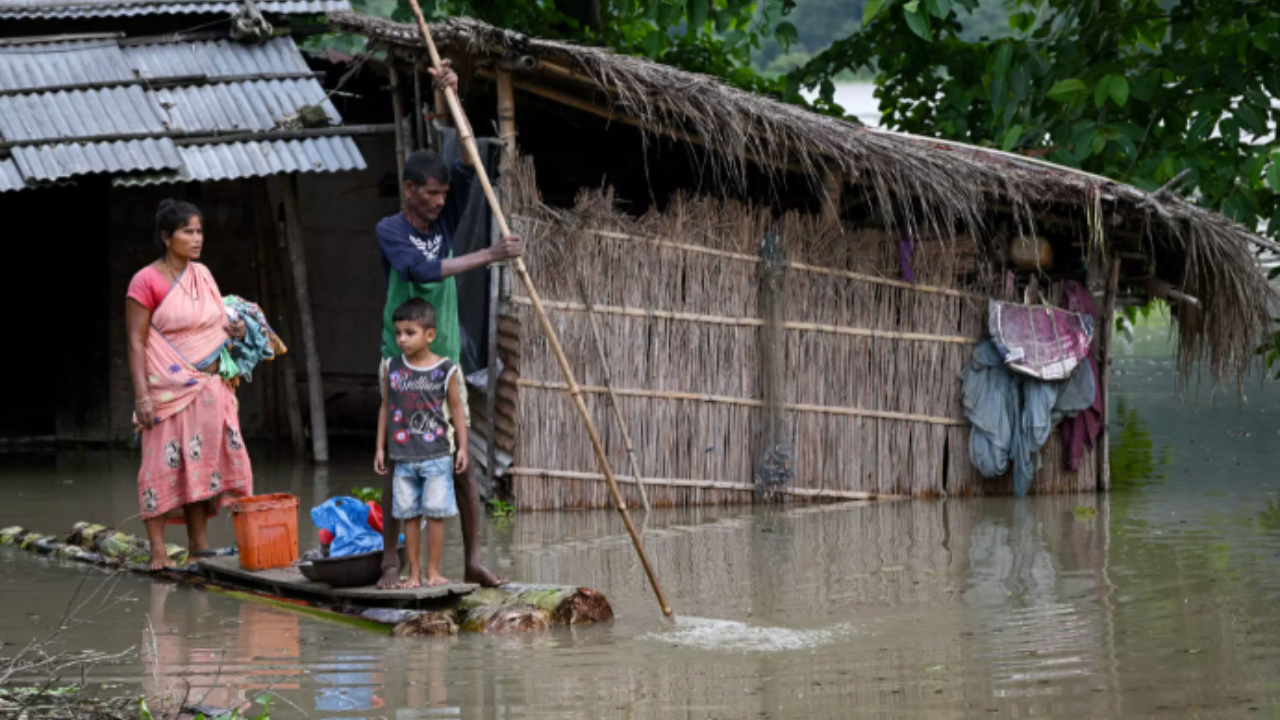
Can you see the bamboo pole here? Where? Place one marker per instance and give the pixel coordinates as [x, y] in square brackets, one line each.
[315, 381]
[1104, 373]
[705, 484]
[507, 132]
[745, 402]
[748, 322]
[468, 140]
[833, 187]
[613, 398]
[397, 108]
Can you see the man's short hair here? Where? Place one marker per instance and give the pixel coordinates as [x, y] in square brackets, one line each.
[416, 310]
[424, 164]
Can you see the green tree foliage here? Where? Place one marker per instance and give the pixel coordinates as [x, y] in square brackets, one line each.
[1137, 90]
[716, 37]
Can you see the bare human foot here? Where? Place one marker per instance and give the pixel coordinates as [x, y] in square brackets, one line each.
[481, 576]
[436, 580]
[413, 582]
[160, 559]
[390, 578]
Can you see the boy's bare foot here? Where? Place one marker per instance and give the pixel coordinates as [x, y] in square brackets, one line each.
[413, 582]
[436, 580]
[390, 579]
[160, 560]
[481, 576]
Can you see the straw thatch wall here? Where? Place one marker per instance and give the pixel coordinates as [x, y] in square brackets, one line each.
[870, 383]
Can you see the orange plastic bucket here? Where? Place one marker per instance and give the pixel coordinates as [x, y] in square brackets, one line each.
[266, 531]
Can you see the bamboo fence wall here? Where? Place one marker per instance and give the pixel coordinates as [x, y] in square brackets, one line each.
[871, 384]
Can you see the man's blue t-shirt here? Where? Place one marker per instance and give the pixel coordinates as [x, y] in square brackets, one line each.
[416, 255]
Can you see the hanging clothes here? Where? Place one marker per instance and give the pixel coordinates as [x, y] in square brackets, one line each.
[1081, 431]
[1013, 414]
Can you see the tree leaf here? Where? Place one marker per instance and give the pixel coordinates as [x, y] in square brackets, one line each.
[1022, 22]
[698, 11]
[1249, 118]
[786, 34]
[1119, 90]
[917, 21]
[871, 9]
[1003, 57]
[1201, 127]
[938, 8]
[1102, 90]
[1011, 138]
[653, 43]
[1273, 173]
[1064, 91]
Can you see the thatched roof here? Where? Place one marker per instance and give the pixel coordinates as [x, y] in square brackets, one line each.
[915, 182]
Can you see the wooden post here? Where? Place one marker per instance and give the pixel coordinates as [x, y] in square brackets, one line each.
[507, 132]
[1105, 334]
[467, 138]
[397, 107]
[298, 261]
[833, 187]
[419, 130]
[613, 398]
[264, 229]
[285, 312]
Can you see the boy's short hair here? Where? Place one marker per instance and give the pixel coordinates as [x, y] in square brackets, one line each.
[424, 164]
[416, 310]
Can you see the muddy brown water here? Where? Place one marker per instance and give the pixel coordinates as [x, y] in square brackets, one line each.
[1165, 603]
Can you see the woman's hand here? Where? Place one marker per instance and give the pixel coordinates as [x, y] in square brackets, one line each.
[144, 415]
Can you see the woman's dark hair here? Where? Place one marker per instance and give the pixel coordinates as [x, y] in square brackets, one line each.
[173, 215]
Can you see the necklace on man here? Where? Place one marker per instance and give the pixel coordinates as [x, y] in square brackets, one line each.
[176, 281]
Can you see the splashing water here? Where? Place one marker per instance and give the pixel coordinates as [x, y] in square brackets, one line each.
[739, 637]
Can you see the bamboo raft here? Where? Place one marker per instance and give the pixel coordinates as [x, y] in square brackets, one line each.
[443, 610]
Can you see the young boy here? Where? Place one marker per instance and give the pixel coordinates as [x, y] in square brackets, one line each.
[414, 431]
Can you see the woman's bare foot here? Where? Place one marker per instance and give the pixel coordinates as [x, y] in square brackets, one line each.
[480, 575]
[160, 559]
[390, 579]
[436, 579]
[414, 581]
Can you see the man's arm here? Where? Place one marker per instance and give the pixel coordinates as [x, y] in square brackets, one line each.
[508, 247]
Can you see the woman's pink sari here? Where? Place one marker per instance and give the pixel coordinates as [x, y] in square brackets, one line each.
[195, 452]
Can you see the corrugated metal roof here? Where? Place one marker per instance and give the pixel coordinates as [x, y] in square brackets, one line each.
[232, 161]
[10, 177]
[52, 162]
[34, 66]
[260, 105]
[214, 58]
[79, 113]
[17, 9]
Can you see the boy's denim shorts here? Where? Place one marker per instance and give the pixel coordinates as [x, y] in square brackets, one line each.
[424, 488]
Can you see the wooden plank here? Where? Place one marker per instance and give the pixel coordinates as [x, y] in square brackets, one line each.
[289, 583]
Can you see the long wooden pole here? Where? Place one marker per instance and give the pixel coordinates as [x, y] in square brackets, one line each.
[468, 140]
[1106, 335]
[298, 259]
[613, 397]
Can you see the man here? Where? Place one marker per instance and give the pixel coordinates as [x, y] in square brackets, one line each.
[417, 259]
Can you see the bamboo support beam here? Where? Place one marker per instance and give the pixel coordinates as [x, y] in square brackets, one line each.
[755, 259]
[397, 108]
[704, 484]
[613, 398]
[467, 138]
[1104, 371]
[315, 380]
[745, 402]
[746, 322]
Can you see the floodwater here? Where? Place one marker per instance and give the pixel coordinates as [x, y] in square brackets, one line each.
[1164, 602]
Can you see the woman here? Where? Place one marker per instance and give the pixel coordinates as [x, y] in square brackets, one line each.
[193, 457]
